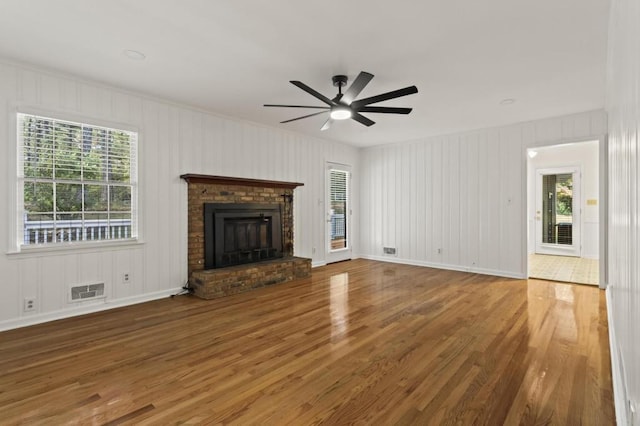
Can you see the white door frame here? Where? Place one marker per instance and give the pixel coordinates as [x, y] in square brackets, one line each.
[337, 255]
[575, 249]
[603, 192]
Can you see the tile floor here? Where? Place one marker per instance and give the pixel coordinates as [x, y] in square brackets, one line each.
[564, 268]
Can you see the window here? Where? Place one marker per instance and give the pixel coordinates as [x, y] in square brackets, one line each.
[338, 194]
[77, 181]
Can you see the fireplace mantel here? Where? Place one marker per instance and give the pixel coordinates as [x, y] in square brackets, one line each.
[227, 180]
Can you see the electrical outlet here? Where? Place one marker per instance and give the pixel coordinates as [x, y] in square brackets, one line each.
[439, 251]
[29, 304]
[125, 278]
[313, 250]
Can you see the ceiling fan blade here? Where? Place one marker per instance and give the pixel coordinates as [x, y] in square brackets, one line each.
[385, 110]
[362, 119]
[312, 92]
[356, 87]
[304, 116]
[296, 106]
[384, 96]
[327, 124]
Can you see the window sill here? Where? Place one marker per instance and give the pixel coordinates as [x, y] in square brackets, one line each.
[66, 248]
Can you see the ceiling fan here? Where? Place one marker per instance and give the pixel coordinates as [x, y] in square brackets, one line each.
[344, 105]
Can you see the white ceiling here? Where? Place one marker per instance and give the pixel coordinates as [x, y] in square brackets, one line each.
[230, 57]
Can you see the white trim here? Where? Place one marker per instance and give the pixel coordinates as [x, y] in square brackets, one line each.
[603, 218]
[85, 309]
[318, 263]
[619, 388]
[14, 193]
[72, 247]
[482, 271]
[603, 196]
[62, 114]
[344, 253]
[15, 244]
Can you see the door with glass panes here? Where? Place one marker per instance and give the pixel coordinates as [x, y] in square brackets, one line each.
[338, 214]
[557, 215]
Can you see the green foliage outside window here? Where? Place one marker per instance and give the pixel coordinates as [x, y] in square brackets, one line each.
[564, 195]
[74, 171]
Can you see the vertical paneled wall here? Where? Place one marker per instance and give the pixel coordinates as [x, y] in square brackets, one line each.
[173, 140]
[458, 201]
[623, 105]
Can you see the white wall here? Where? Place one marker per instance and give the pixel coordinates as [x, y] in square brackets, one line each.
[464, 194]
[173, 140]
[623, 293]
[585, 155]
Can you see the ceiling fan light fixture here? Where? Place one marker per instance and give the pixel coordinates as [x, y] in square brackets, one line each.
[340, 113]
[345, 105]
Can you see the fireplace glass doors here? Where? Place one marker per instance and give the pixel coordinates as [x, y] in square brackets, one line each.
[241, 233]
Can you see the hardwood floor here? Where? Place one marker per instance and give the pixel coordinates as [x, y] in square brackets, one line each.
[359, 342]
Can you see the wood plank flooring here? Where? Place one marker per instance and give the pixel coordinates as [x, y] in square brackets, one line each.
[359, 342]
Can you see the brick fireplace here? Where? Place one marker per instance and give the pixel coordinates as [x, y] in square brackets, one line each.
[240, 234]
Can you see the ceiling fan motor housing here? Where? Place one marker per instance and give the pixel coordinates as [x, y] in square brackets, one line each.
[339, 80]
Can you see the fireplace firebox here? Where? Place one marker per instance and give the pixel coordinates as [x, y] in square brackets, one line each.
[235, 234]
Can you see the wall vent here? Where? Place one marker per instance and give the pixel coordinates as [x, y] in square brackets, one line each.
[79, 293]
[389, 250]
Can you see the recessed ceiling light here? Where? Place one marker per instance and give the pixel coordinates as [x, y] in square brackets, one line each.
[507, 101]
[134, 55]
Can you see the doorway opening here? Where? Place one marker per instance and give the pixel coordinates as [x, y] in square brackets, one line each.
[564, 196]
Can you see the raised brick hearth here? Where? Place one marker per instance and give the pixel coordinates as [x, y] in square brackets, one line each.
[213, 283]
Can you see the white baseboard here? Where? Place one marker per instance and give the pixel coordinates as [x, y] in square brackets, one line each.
[318, 263]
[483, 271]
[619, 387]
[103, 305]
[593, 256]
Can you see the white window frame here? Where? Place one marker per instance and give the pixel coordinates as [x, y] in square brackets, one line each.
[16, 245]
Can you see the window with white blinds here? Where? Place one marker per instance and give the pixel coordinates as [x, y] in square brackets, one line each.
[338, 185]
[338, 193]
[77, 181]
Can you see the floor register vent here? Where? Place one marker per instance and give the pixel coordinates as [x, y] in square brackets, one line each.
[389, 250]
[86, 292]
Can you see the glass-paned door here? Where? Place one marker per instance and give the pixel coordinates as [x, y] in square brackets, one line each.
[558, 212]
[338, 212]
